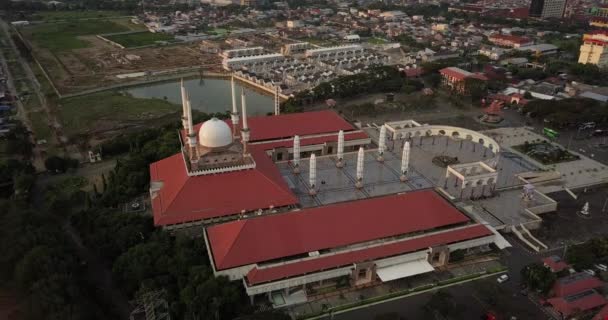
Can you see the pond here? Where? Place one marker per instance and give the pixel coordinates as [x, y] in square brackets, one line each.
[207, 95]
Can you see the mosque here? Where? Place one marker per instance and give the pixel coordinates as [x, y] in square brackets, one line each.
[284, 209]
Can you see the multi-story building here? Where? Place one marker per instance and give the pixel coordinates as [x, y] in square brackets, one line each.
[595, 49]
[455, 78]
[547, 8]
[505, 40]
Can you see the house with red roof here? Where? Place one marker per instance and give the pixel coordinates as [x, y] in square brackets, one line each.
[576, 294]
[555, 264]
[507, 40]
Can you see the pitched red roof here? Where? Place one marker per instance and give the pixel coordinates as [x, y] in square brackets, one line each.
[580, 302]
[455, 73]
[249, 241]
[291, 124]
[256, 276]
[575, 283]
[288, 143]
[555, 263]
[509, 38]
[185, 199]
[602, 314]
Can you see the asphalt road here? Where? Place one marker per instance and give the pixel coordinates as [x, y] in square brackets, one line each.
[475, 297]
[570, 138]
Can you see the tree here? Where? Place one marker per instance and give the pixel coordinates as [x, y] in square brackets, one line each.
[443, 303]
[537, 277]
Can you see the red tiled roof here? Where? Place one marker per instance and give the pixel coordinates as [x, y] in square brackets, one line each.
[185, 199]
[288, 143]
[243, 242]
[575, 283]
[455, 73]
[602, 314]
[510, 38]
[291, 124]
[256, 276]
[580, 302]
[555, 263]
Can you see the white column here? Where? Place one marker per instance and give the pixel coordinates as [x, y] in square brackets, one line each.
[190, 125]
[360, 163]
[234, 115]
[312, 174]
[245, 129]
[382, 143]
[340, 162]
[405, 161]
[184, 105]
[296, 154]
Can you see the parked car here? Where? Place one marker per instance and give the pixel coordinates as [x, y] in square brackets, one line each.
[601, 267]
[586, 125]
[503, 278]
[589, 272]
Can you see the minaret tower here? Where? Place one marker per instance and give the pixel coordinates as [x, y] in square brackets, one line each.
[245, 129]
[312, 174]
[277, 102]
[184, 105]
[405, 161]
[381, 143]
[191, 136]
[340, 162]
[360, 162]
[296, 154]
[234, 115]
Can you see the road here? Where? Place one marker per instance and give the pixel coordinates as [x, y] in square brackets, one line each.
[571, 138]
[476, 297]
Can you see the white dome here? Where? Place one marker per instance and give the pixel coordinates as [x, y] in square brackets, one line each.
[214, 133]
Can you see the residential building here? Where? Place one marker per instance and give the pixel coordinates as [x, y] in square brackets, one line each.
[547, 8]
[455, 78]
[594, 49]
[505, 40]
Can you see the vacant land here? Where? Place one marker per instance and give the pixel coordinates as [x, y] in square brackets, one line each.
[106, 111]
[64, 36]
[50, 16]
[139, 39]
[40, 126]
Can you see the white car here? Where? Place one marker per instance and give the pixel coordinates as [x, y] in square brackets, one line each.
[601, 267]
[589, 272]
[502, 278]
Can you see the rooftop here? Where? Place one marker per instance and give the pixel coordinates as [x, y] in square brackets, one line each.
[183, 198]
[271, 237]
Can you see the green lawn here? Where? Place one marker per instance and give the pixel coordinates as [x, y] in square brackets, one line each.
[139, 39]
[81, 114]
[40, 125]
[71, 15]
[63, 36]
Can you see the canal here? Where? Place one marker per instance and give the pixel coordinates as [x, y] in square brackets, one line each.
[207, 95]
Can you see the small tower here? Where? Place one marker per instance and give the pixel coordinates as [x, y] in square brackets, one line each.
[245, 129]
[381, 143]
[184, 96]
[360, 162]
[277, 102]
[296, 154]
[340, 162]
[191, 136]
[405, 161]
[234, 115]
[312, 174]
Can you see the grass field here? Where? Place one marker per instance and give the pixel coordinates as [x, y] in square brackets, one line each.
[40, 125]
[63, 36]
[50, 16]
[81, 114]
[139, 39]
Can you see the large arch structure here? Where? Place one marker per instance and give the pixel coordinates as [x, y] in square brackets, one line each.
[410, 129]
